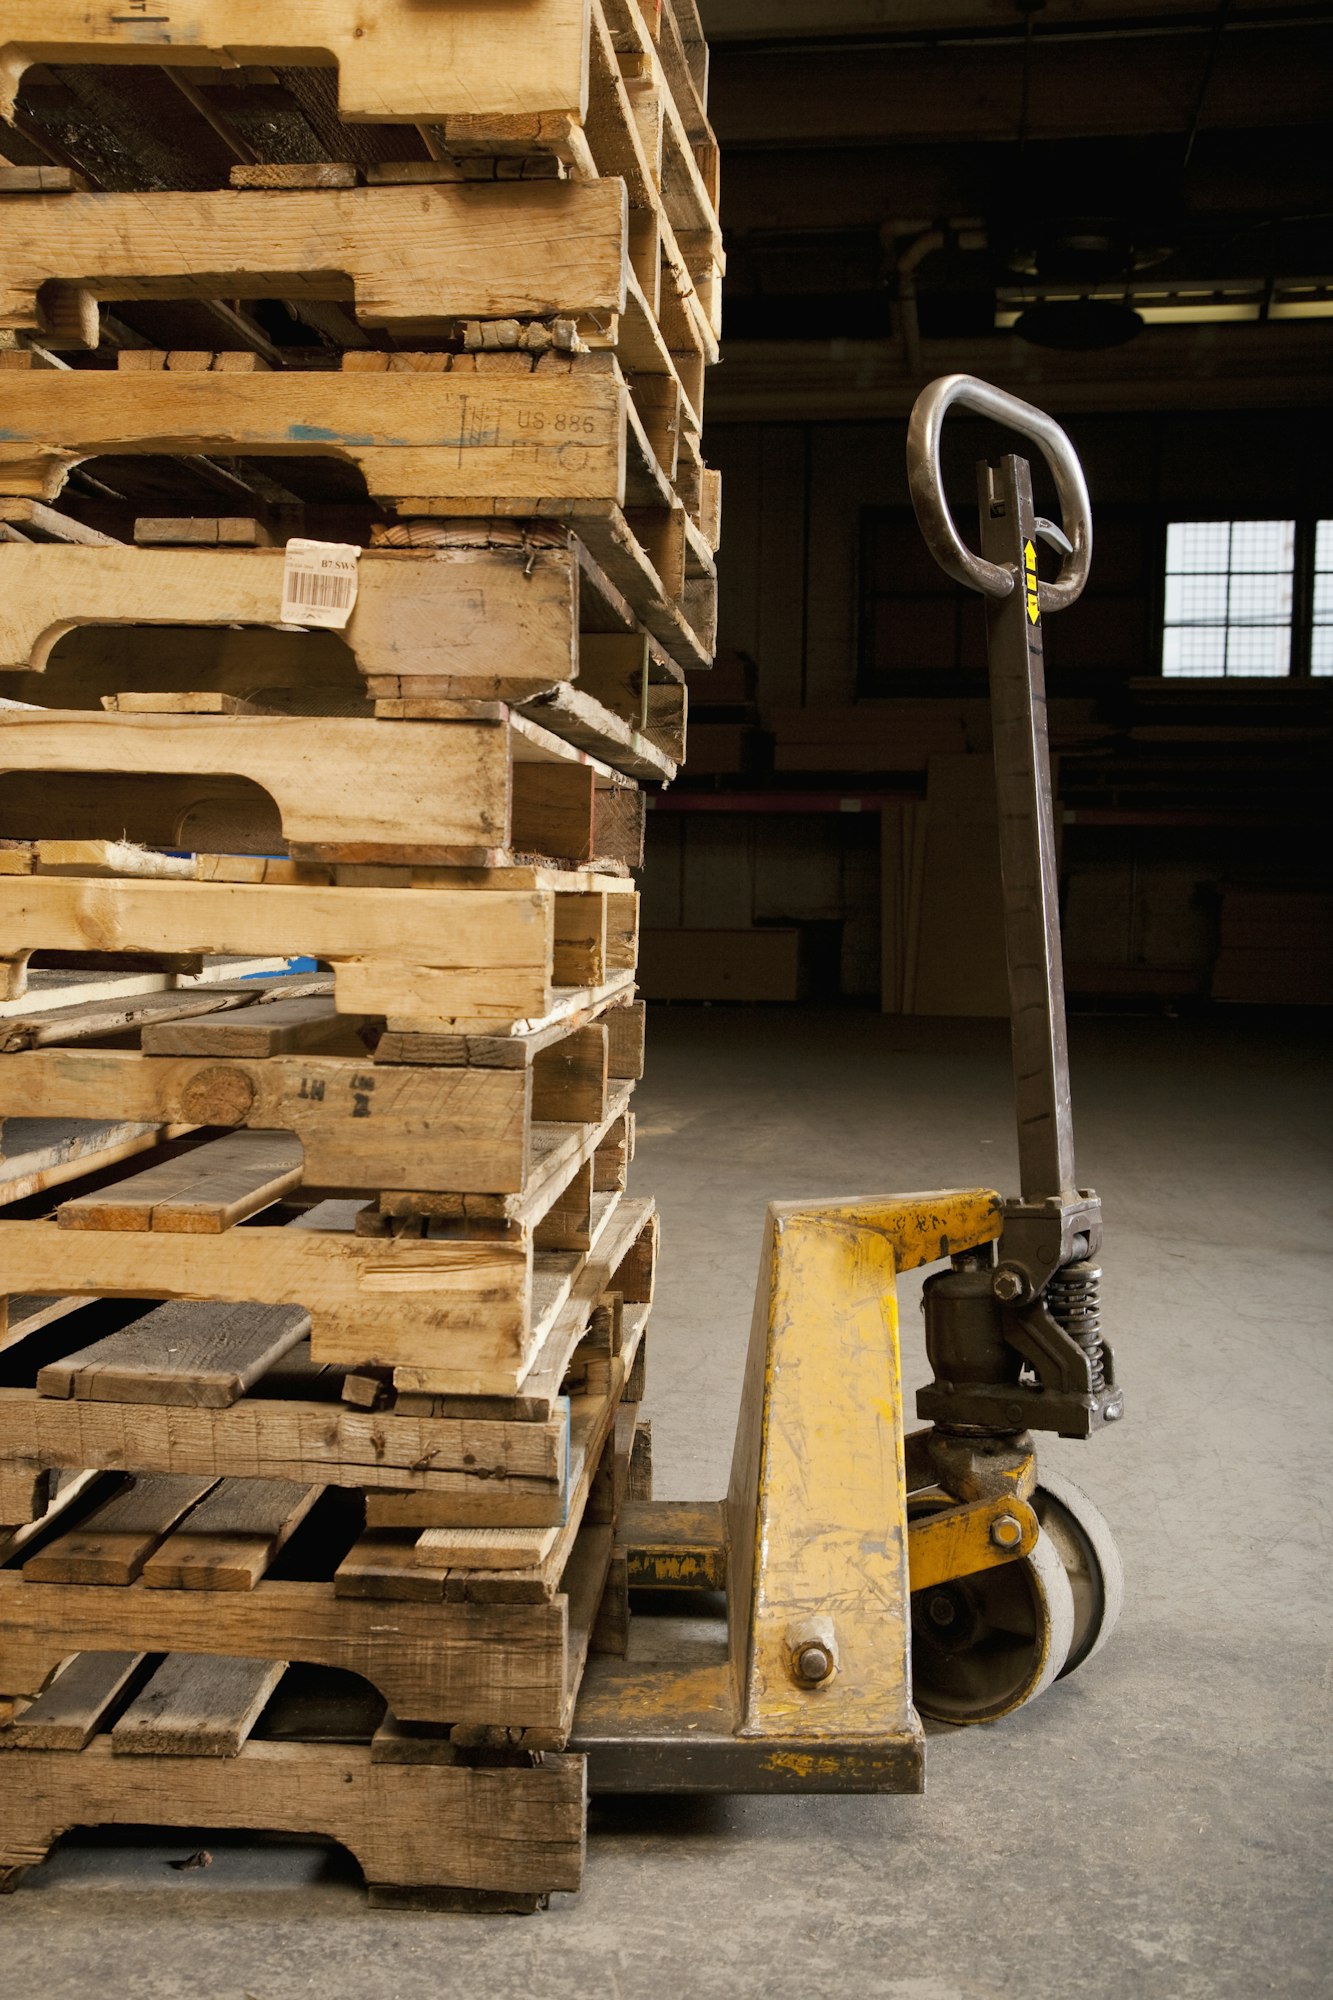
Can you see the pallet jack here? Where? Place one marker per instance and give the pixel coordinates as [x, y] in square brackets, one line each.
[874, 1578]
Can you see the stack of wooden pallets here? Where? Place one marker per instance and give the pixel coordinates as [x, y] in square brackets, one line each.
[354, 536]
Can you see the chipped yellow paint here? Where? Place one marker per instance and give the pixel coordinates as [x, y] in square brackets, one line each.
[817, 1505]
[677, 1569]
[956, 1541]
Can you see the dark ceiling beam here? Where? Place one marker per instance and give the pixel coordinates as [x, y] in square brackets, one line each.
[728, 21]
[1234, 174]
[1168, 368]
[915, 95]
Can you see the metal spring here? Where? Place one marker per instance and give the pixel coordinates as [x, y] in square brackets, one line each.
[1073, 1297]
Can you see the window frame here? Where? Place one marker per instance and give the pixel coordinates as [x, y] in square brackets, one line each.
[1305, 522]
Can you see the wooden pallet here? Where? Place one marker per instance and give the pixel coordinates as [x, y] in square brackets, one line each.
[584, 88]
[466, 1298]
[487, 265]
[562, 439]
[117, 1739]
[480, 1629]
[486, 260]
[555, 632]
[424, 957]
[476, 784]
[483, 1116]
[206, 1389]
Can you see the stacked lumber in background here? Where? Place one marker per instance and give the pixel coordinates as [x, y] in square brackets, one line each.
[354, 540]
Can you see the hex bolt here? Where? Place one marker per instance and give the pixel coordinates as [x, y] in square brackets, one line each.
[1007, 1286]
[812, 1649]
[1006, 1532]
[813, 1664]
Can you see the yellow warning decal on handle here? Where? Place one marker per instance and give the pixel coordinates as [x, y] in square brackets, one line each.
[1030, 582]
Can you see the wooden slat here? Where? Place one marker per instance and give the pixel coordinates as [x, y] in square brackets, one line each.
[197, 1705]
[41, 1153]
[112, 1544]
[66, 1715]
[276, 1028]
[92, 1018]
[202, 1354]
[359, 1125]
[231, 1537]
[200, 1193]
[625, 1040]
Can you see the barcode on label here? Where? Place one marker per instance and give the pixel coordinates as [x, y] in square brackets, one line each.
[319, 581]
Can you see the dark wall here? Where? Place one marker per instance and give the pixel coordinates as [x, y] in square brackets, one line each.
[792, 570]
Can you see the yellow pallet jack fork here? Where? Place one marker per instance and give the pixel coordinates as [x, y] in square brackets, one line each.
[872, 1577]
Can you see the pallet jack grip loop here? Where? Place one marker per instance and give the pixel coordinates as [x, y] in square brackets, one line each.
[932, 507]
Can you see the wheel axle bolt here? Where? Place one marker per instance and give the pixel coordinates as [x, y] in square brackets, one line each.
[813, 1665]
[1006, 1532]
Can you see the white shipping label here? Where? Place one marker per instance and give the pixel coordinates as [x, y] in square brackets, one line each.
[319, 583]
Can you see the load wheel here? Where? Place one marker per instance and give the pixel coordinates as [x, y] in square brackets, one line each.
[983, 1645]
[1086, 1547]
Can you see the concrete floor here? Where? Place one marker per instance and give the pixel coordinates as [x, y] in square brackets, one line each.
[1155, 1827]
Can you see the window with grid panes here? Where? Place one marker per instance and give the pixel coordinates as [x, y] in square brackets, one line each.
[1229, 598]
[1321, 633]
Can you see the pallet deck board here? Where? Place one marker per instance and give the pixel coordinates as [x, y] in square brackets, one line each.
[68, 1713]
[203, 1192]
[193, 1355]
[196, 1705]
[231, 1537]
[111, 1545]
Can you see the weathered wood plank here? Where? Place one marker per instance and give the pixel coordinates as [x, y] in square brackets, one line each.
[37, 1153]
[111, 1545]
[94, 1018]
[201, 1355]
[201, 1192]
[486, 1468]
[336, 781]
[197, 1705]
[280, 1027]
[67, 1714]
[484, 1663]
[231, 1537]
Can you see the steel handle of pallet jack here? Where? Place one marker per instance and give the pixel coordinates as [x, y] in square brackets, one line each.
[932, 507]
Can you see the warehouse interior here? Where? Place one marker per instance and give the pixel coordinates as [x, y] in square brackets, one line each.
[1121, 212]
